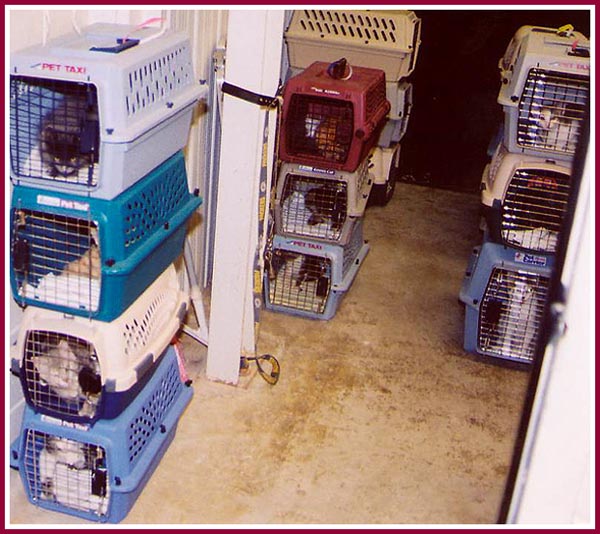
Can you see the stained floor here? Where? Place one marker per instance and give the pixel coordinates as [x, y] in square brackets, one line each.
[379, 416]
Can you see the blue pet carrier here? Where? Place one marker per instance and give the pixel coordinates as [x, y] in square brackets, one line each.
[94, 113]
[309, 278]
[94, 257]
[98, 472]
[82, 370]
[504, 292]
[320, 204]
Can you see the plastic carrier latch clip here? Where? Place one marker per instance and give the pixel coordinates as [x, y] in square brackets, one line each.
[122, 44]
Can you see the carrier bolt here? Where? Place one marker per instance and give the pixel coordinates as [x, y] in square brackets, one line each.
[15, 455]
[163, 429]
[110, 262]
[110, 131]
[475, 301]
[170, 105]
[166, 226]
[514, 98]
[117, 481]
[196, 192]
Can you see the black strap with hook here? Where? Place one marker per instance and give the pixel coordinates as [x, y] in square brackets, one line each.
[248, 96]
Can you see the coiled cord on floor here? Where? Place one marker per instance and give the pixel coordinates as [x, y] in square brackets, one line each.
[270, 378]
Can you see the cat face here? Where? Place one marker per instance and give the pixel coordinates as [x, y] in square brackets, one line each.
[62, 152]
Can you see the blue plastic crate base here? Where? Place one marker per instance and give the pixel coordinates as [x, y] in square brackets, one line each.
[93, 257]
[97, 472]
[504, 291]
[309, 278]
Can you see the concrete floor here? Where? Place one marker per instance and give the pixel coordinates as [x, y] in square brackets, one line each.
[379, 416]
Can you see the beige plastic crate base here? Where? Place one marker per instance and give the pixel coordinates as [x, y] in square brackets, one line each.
[386, 40]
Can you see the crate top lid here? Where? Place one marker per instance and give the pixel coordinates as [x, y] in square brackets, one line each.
[117, 45]
[384, 29]
[319, 81]
[559, 50]
[536, 44]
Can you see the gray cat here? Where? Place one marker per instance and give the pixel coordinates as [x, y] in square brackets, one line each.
[69, 137]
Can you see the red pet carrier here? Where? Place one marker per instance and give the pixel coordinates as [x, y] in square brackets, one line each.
[332, 115]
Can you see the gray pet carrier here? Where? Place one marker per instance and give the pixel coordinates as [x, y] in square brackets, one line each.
[94, 113]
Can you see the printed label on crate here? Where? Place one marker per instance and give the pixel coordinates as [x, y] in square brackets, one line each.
[530, 259]
[305, 244]
[324, 91]
[62, 422]
[315, 169]
[59, 67]
[56, 202]
[571, 66]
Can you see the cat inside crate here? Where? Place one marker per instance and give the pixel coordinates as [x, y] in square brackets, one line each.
[73, 474]
[69, 136]
[68, 368]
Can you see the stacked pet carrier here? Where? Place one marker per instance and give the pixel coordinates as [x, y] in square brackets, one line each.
[525, 190]
[336, 110]
[99, 207]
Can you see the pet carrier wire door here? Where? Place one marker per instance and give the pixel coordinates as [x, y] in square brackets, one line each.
[331, 122]
[81, 370]
[94, 257]
[544, 92]
[318, 203]
[381, 39]
[98, 472]
[309, 278]
[524, 200]
[504, 292]
[94, 113]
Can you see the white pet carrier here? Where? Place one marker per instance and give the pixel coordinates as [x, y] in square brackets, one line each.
[545, 88]
[97, 472]
[400, 96]
[80, 369]
[320, 203]
[386, 40]
[94, 113]
[505, 293]
[309, 278]
[524, 200]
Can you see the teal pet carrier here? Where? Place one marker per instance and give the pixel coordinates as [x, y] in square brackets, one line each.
[93, 257]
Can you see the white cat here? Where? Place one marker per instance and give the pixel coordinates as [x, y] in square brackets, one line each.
[59, 368]
[521, 321]
[559, 132]
[66, 478]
